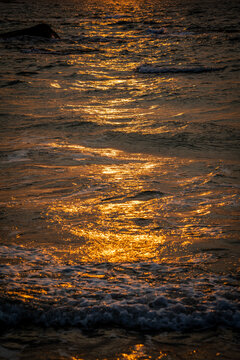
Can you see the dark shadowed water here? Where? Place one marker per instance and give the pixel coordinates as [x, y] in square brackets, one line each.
[119, 201]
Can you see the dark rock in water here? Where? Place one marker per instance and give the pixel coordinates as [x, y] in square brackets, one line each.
[40, 30]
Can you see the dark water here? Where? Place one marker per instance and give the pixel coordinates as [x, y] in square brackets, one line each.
[119, 202]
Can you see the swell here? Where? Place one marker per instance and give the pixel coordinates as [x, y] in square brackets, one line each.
[58, 124]
[12, 83]
[217, 141]
[62, 52]
[141, 196]
[154, 69]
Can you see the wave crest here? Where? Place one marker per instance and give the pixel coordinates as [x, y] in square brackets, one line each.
[155, 69]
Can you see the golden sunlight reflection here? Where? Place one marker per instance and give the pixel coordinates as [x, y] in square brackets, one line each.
[106, 152]
[116, 227]
[114, 215]
[146, 161]
[139, 352]
[118, 110]
[27, 294]
[55, 85]
[117, 241]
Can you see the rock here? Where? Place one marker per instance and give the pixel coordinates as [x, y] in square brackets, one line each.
[40, 30]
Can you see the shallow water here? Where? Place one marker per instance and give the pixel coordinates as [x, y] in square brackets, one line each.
[120, 181]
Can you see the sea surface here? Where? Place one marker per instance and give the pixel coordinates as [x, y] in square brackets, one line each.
[119, 200]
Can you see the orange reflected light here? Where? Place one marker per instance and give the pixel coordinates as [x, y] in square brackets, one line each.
[111, 247]
[107, 233]
[140, 352]
[118, 222]
[108, 152]
[55, 85]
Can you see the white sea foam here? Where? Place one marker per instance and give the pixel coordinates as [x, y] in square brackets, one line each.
[141, 296]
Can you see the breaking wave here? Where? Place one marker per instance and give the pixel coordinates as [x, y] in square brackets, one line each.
[140, 296]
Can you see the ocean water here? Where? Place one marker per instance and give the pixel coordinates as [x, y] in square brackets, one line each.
[119, 199]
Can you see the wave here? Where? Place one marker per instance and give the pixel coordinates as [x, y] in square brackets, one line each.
[215, 139]
[159, 315]
[124, 22]
[161, 31]
[154, 69]
[15, 156]
[12, 83]
[93, 39]
[141, 196]
[62, 125]
[143, 296]
[63, 52]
